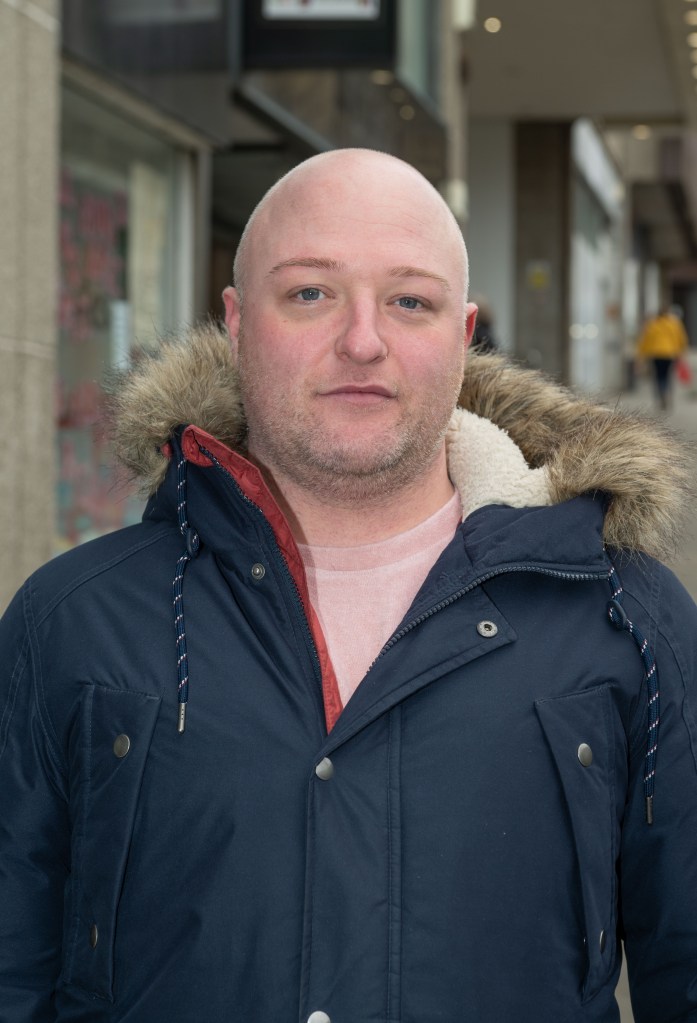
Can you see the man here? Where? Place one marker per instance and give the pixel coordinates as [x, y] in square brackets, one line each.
[354, 726]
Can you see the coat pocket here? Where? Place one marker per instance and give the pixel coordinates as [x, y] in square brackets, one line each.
[579, 732]
[109, 753]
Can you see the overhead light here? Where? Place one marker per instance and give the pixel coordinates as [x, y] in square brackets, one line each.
[382, 77]
[641, 131]
[691, 17]
[407, 112]
[692, 39]
[493, 25]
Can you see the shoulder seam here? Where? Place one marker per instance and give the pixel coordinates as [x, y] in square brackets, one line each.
[92, 573]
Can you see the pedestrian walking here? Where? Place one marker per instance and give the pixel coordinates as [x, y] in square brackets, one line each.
[663, 341]
[386, 710]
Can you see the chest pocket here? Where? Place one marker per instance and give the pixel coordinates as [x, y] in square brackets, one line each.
[108, 758]
[578, 729]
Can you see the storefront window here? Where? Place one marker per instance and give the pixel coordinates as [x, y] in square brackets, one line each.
[118, 207]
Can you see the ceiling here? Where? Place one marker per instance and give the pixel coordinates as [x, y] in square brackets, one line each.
[619, 61]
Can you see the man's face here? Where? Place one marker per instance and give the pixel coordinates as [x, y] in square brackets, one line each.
[352, 338]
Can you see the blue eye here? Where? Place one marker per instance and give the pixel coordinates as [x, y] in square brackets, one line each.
[310, 294]
[408, 302]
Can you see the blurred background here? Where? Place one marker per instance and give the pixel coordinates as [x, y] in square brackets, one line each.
[136, 136]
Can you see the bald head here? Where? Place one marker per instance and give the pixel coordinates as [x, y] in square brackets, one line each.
[351, 181]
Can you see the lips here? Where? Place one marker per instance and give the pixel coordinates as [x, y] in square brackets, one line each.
[358, 389]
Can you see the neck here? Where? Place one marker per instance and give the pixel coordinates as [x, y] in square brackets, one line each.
[330, 521]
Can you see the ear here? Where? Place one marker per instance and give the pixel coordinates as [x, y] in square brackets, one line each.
[470, 321]
[231, 299]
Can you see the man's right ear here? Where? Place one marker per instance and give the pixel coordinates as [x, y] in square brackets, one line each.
[231, 299]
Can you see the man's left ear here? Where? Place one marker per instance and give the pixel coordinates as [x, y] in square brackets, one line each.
[470, 321]
[231, 298]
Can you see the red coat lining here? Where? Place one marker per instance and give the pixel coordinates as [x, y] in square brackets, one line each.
[252, 484]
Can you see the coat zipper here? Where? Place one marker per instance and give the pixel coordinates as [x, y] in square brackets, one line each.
[537, 569]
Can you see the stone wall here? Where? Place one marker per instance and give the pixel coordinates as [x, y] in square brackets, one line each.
[29, 113]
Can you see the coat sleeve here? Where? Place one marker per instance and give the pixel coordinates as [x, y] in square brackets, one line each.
[658, 865]
[34, 834]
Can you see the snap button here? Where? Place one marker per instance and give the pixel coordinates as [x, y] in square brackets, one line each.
[487, 629]
[602, 942]
[585, 754]
[94, 936]
[318, 1017]
[258, 571]
[122, 744]
[324, 769]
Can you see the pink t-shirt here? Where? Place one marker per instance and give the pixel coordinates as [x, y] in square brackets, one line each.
[361, 594]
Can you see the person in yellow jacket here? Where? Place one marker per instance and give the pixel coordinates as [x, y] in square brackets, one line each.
[663, 341]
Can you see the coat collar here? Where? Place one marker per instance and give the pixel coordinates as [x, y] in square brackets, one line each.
[526, 440]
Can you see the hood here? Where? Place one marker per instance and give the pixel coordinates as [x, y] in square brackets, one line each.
[542, 444]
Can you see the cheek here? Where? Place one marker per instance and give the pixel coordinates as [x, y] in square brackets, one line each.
[436, 363]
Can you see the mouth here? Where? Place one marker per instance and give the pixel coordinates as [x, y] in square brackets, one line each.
[359, 391]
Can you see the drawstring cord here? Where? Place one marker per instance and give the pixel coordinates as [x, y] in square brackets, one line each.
[193, 543]
[618, 617]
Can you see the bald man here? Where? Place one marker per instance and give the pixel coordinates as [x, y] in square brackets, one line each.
[362, 723]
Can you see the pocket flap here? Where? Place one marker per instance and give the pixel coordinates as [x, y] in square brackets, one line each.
[114, 734]
[578, 731]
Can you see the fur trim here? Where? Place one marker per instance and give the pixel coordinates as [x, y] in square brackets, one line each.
[567, 445]
[646, 472]
[185, 381]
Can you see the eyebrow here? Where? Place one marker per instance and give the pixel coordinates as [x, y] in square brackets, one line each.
[335, 266]
[317, 264]
[417, 271]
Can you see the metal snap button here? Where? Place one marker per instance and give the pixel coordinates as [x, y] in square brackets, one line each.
[122, 744]
[487, 629]
[585, 754]
[324, 769]
[94, 936]
[258, 571]
[318, 1017]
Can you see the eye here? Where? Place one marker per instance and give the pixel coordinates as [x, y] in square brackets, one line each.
[409, 302]
[309, 295]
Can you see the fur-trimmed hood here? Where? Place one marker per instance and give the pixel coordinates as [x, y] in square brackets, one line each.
[518, 439]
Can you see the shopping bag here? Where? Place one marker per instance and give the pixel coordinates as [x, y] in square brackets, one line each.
[683, 371]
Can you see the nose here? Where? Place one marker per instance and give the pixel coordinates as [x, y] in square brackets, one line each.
[359, 338]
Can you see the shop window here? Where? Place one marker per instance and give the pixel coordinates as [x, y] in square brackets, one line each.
[118, 286]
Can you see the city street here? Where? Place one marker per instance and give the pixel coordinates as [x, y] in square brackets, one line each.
[683, 419]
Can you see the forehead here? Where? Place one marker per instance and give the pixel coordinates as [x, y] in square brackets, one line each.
[358, 216]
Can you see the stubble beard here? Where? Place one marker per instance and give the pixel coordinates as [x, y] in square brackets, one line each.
[289, 443]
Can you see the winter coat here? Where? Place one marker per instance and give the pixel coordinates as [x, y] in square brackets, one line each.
[466, 841]
[663, 337]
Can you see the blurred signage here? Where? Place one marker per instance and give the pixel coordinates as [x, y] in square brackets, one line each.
[538, 273]
[318, 34]
[312, 10]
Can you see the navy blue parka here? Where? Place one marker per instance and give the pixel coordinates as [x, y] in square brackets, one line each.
[467, 843]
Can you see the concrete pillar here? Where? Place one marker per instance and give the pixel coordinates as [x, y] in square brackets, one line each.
[543, 244]
[29, 111]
